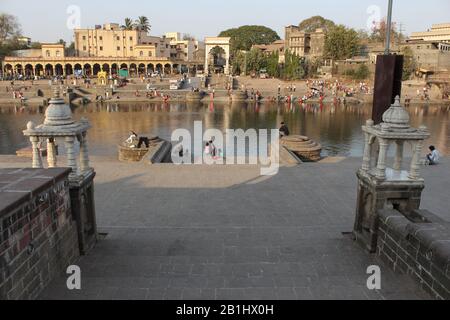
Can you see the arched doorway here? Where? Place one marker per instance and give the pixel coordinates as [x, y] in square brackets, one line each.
[133, 70]
[159, 68]
[150, 68]
[141, 69]
[217, 52]
[114, 69]
[78, 70]
[69, 69]
[18, 69]
[29, 72]
[167, 68]
[175, 68]
[38, 70]
[59, 70]
[49, 70]
[216, 60]
[96, 69]
[8, 69]
[87, 69]
[106, 68]
[124, 71]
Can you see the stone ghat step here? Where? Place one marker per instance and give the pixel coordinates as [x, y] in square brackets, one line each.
[304, 147]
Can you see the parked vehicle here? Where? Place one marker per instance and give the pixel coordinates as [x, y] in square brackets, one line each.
[263, 74]
[175, 84]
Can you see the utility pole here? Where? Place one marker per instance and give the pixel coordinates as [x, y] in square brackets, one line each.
[388, 28]
[400, 33]
[388, 75]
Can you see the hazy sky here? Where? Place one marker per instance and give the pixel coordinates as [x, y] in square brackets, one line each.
[46, 21]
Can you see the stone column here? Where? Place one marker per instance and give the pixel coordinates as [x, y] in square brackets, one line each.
[415, 162]
[367, 152]
[381, 165]
[398, 155]
[70, 150]
[51, 153]
[84, 154]
[36, 152]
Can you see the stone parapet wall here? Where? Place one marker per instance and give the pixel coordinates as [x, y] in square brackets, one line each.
[38, 236]
[420, 249]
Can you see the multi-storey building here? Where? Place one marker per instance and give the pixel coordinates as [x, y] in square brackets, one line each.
[437, 33]
[305, 44]
[110, 48]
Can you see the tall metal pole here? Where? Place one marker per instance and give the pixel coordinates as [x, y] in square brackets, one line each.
[388, 28]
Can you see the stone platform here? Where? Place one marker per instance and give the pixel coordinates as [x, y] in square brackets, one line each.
[224, 232]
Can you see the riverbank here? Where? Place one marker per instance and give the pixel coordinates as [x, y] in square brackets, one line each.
[162, 240]
[38, 93]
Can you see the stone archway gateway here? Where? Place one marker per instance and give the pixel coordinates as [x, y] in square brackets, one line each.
[221, 42]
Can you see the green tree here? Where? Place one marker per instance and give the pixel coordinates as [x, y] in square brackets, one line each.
[362, 72]
[341, 43]
[273, 67]
[36, 45]
[243, 38]
[143, 24]
[409, 63]
[316, 22]
[294, 66]
[9, 28]
[128, 24]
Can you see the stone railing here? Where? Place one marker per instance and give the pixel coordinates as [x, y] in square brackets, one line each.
[38, 236]
[418, 246]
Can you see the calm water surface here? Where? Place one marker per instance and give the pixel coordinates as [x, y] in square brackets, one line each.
[337, 128]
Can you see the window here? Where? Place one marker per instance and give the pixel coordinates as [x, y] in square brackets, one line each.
[118, 48]
[117, 38]
[131, 38]
[167, 46]
[131, 48]
[100, 38]
[101, 48]
[150, 54]
[141, 53]
[84, 37]
[58, 53]
[84, 48]
[47, 53]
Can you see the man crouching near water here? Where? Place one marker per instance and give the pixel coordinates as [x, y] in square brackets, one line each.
[433, 157]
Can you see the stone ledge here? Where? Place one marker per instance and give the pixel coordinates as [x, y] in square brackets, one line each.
[20, 185]
[430, 245]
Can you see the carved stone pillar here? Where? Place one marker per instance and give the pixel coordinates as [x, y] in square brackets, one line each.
[84, 154]
[51, 153]
[398, 154]
[414, 173]
[367, 153]
[381, 165]
[70, 150]
[36, 152]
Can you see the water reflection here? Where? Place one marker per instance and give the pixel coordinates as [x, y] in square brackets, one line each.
[336, 127]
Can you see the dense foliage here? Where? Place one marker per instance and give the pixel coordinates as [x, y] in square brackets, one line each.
[341, 43]
[316, 22]
[243, 38]
[253, 61]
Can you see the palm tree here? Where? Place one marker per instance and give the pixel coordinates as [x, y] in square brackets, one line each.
[143, 24]
[129, 25]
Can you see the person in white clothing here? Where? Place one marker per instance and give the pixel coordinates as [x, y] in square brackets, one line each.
[434, 156]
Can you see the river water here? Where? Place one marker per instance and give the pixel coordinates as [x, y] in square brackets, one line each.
[337, 128]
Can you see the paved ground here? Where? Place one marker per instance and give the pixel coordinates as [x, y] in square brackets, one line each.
[224, 233]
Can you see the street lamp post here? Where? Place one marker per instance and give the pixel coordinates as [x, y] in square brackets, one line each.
[388, 28]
